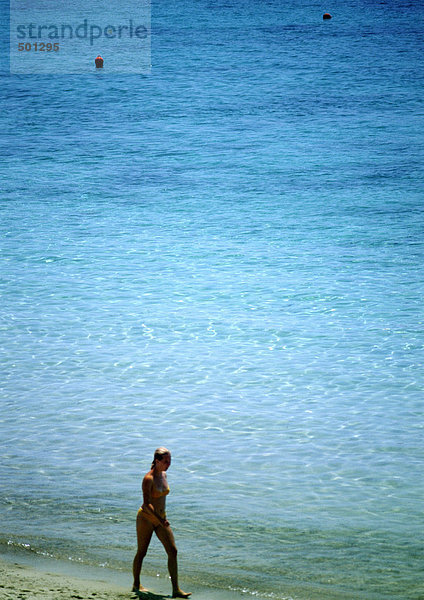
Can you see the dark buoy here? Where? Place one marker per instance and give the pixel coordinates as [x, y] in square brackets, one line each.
[326, 16]
[99, 62]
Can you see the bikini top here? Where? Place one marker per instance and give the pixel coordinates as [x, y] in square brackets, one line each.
[157, 493]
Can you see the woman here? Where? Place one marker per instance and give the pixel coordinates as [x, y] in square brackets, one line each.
[151, 517]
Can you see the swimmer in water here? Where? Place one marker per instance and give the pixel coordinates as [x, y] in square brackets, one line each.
[151, 517]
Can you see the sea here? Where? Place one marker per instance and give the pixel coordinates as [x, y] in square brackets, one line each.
[222, 255]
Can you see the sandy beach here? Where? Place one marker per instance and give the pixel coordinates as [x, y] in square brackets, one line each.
[27, 582]
[46, 579]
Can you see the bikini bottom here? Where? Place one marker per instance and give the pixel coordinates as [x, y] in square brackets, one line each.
[149, 517]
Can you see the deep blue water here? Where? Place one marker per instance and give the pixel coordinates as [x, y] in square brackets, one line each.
[223, 256]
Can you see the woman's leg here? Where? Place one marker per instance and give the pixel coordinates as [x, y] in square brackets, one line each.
[144, 535]
[167, 538]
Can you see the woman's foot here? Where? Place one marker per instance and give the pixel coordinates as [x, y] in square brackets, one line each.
[180, 594]
[138, 590]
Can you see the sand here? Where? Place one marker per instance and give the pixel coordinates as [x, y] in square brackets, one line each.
[18, 581]
[46, 579]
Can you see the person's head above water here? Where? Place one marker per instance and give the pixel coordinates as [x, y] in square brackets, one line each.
[160, 454]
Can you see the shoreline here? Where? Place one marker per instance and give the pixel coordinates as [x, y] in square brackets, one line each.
[44, 578]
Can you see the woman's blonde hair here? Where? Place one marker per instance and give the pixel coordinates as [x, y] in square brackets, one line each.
[159, 454]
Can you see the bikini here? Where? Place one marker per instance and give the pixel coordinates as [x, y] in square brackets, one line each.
[151, 518]
[158, 493]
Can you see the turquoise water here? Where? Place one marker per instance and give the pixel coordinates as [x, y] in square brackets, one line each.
[223, 257]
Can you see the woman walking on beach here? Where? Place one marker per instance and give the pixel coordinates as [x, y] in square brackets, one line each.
[151, 517]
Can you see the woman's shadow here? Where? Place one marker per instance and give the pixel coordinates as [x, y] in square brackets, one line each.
[149, 596]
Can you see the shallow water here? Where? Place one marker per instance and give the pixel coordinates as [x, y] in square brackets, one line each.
[223, 257]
